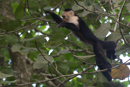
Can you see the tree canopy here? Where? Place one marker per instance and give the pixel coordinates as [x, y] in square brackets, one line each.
[33, 50]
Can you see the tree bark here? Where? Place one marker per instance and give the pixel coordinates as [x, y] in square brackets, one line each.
[19, 62]
[6, 9]
[20, 66]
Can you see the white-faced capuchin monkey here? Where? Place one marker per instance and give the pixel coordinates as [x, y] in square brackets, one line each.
[80, 29]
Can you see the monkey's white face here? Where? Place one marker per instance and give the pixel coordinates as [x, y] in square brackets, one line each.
[66, 15]
[69, 16]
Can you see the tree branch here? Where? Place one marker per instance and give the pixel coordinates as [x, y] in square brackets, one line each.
[119, 15]
[109, 15]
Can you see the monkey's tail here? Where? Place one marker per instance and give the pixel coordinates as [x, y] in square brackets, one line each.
[110, 47]
[100, 54]
[105, 73]
[101, 60]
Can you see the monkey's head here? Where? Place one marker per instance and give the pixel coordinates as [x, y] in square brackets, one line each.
[67, 13]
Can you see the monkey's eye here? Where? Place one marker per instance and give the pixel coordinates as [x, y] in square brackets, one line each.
[63, 16]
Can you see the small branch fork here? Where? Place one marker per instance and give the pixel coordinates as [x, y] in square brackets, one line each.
[47, 59]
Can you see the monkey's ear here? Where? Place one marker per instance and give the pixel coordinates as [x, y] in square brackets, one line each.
[72, 13]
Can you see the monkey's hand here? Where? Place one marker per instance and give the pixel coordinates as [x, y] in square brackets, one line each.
[69, 26]
[48, 12]
[56, 18]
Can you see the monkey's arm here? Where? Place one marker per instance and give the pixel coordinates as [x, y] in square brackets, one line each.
[55, 17]
[69, 26]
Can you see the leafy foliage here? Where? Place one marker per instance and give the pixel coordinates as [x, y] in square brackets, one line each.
[25, 35]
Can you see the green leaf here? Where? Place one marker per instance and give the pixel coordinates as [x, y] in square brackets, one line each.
[10, 38]
[98, 7]
[127, 37]
[103, 30]
[73, 65]
[2, 75]
[33, 54]
[55, 40]
[7, 82]
[38, 65]
[114, 36]
[117, 1]
[122, 49]
[25, 18]
[15, 5]
[29, 23]
[6, 70]
[85, 57]
[54, 4]
[30, 39]
[62, 67]
[26, 50]
[16, 47]
[85, 13]
[106, 0]
[44, 74]
[54, 28]
[41, 62]
[128, 6]
[11, 25]
[2, 41]
[65, 51]
[112, 84]
[88, 2]
[37, 38]
[19, 12]
[77, 7]
[125, 83]
[100, 77]
[83, 80]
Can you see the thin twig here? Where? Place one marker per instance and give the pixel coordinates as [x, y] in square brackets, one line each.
[43, 32]
[5, 47]
[126, 27]
[74, 55]
[109, 15]
[119, 15]
[30, 11]
[70, 75]
[110, 1]
[21, 28]
[75, 76]
[59, 5]
[47, 59]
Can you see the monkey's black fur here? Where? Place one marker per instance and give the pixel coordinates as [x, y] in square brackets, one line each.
[85, 34]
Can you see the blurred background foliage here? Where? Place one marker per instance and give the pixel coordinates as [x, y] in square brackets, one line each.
[33, 49]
